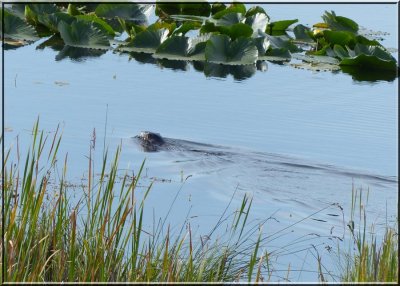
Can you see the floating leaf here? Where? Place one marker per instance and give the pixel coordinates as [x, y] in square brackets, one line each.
[33, 11]
[258, 22]
[83, 34]
[339, 23]
[234, 31]
[302, 33]
[51, 21]
[233, 8]
[374, 57]
[181, 48]
[17, 29]
[276, 54]
[197, 9]
[220, 49]
[147, 41]
[186, 27]
[98, 23]
[280, 25]
[127, 11]
[282, 42]
[73, 10]
[217, 7]
[343, 38]
[262, 44]
[230, 19]
[256, 10]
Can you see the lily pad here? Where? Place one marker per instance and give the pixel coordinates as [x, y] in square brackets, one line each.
[147, 41]
[230, 19]
[186, 27]
[234, 31]
[197, 9]
[98, 23]
[282, 25]
[339, 23]
[233, 8]
[51, 21]
[181, 48]
[220, 49]
[370, 57]
[343, 38]
[17, 29]
[258, 22]
[256, 10]
[83, 34]
[282, 42]
[126, 11]
[32, 11]
[303, 34]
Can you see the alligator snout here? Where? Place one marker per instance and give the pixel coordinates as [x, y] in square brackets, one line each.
[150, 141]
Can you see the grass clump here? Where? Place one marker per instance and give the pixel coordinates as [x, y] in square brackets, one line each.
[370, 259]
[50, 237]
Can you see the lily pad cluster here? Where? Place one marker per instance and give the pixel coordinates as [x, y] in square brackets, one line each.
[212, 34]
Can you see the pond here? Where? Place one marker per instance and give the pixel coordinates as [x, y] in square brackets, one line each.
[296, 140]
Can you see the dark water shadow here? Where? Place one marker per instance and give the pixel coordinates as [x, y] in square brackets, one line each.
[364, 74]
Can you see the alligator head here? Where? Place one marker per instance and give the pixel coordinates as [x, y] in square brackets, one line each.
[150, 141]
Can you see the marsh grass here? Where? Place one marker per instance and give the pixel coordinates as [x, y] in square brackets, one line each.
[369, 258]
[101, 238]
[50, 237]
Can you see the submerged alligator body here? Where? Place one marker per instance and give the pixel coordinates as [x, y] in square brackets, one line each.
[154, 142]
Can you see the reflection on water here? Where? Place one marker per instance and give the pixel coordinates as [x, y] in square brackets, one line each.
[238, 72]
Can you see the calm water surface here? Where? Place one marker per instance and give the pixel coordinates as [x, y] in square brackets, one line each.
[297, 140]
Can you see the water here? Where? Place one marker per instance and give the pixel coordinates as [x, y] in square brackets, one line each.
[298, 139]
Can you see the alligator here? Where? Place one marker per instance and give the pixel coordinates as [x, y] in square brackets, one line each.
[154, 142]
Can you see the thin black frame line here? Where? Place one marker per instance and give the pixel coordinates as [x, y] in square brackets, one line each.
[2, 149]
[116, 2]
[224, 2]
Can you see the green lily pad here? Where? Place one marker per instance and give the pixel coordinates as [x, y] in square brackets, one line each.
[233, 8]
[262, 44]
[258, 22]
[197, 9]
[276, 54]
[343, 38]
[234, 31]
[255, 10]
[181, 48]
[282, 25]
[217, 7]
[98, 23]
[186, 27]
[17, 29]
[303, 34]
[147, 41]
[222, 50]
[83, 34]
[230, 19]
[282, 42]
[127, 11]
[33, 10]
[369, 57]
[51, 20]
[339, 23]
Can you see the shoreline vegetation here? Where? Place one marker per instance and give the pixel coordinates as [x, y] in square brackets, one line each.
[101, 238]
